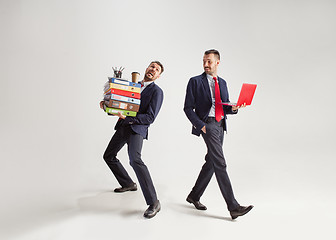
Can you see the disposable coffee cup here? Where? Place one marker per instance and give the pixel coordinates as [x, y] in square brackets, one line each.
[135, 77]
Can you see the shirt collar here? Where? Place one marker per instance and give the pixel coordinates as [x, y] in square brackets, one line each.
[210, 78]
[145, 84]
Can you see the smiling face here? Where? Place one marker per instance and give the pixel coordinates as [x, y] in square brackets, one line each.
[210, 64]
[152, 72]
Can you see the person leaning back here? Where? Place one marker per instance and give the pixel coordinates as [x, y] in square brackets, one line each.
[132, 131]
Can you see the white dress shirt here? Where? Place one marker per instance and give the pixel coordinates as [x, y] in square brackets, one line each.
[145, 84]
[211, 82]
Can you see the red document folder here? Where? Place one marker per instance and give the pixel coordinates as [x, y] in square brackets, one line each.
[124, 93]
[245, 96]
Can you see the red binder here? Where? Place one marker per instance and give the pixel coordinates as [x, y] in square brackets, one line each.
[124, 93]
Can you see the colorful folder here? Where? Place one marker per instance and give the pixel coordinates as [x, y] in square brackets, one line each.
[123, 93]
[122, 105]
[115, 111]
[124, 87]
[124, 82]
[121, 98]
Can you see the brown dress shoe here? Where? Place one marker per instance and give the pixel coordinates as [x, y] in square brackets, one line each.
[132, 187]
[152, 210]
[197, 204]
[240, 211]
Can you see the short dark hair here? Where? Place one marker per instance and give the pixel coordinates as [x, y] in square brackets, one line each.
[212, 51]
[158, 63]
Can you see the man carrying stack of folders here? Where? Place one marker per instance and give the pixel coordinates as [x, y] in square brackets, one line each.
[132, 130]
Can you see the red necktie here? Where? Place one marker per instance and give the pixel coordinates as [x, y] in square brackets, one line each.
[218, 108]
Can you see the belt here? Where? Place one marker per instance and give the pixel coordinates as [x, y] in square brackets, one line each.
[212, 119]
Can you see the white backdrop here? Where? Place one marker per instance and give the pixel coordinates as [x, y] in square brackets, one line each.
[55, 58]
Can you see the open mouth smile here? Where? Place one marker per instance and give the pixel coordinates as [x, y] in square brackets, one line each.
[151, 74]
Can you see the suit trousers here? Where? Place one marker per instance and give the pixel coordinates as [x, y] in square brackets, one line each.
[214, 163]
[123, 135]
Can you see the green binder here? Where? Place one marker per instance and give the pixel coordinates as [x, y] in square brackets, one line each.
[115, 111]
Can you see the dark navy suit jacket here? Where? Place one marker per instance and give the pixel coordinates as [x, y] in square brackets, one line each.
[198, 101]
[151, 102]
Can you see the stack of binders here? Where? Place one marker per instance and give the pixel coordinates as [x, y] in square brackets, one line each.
[122, 96]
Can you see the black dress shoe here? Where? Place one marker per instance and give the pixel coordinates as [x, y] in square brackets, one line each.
[240, 211]
[197, 204]
[152, 210]
[132, 187]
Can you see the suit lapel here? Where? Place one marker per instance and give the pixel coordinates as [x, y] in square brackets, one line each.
[147, 91]
[221, 88]
[206, 86]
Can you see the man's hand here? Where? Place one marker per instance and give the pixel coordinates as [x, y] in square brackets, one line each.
[235, 108]
[121, 116]
[101, 104]
[203, 129]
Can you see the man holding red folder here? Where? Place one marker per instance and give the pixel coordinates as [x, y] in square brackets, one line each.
[133, 130]
[202, 106]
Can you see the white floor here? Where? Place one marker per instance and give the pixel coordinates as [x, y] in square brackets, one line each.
[68, 195]
[103, 214]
